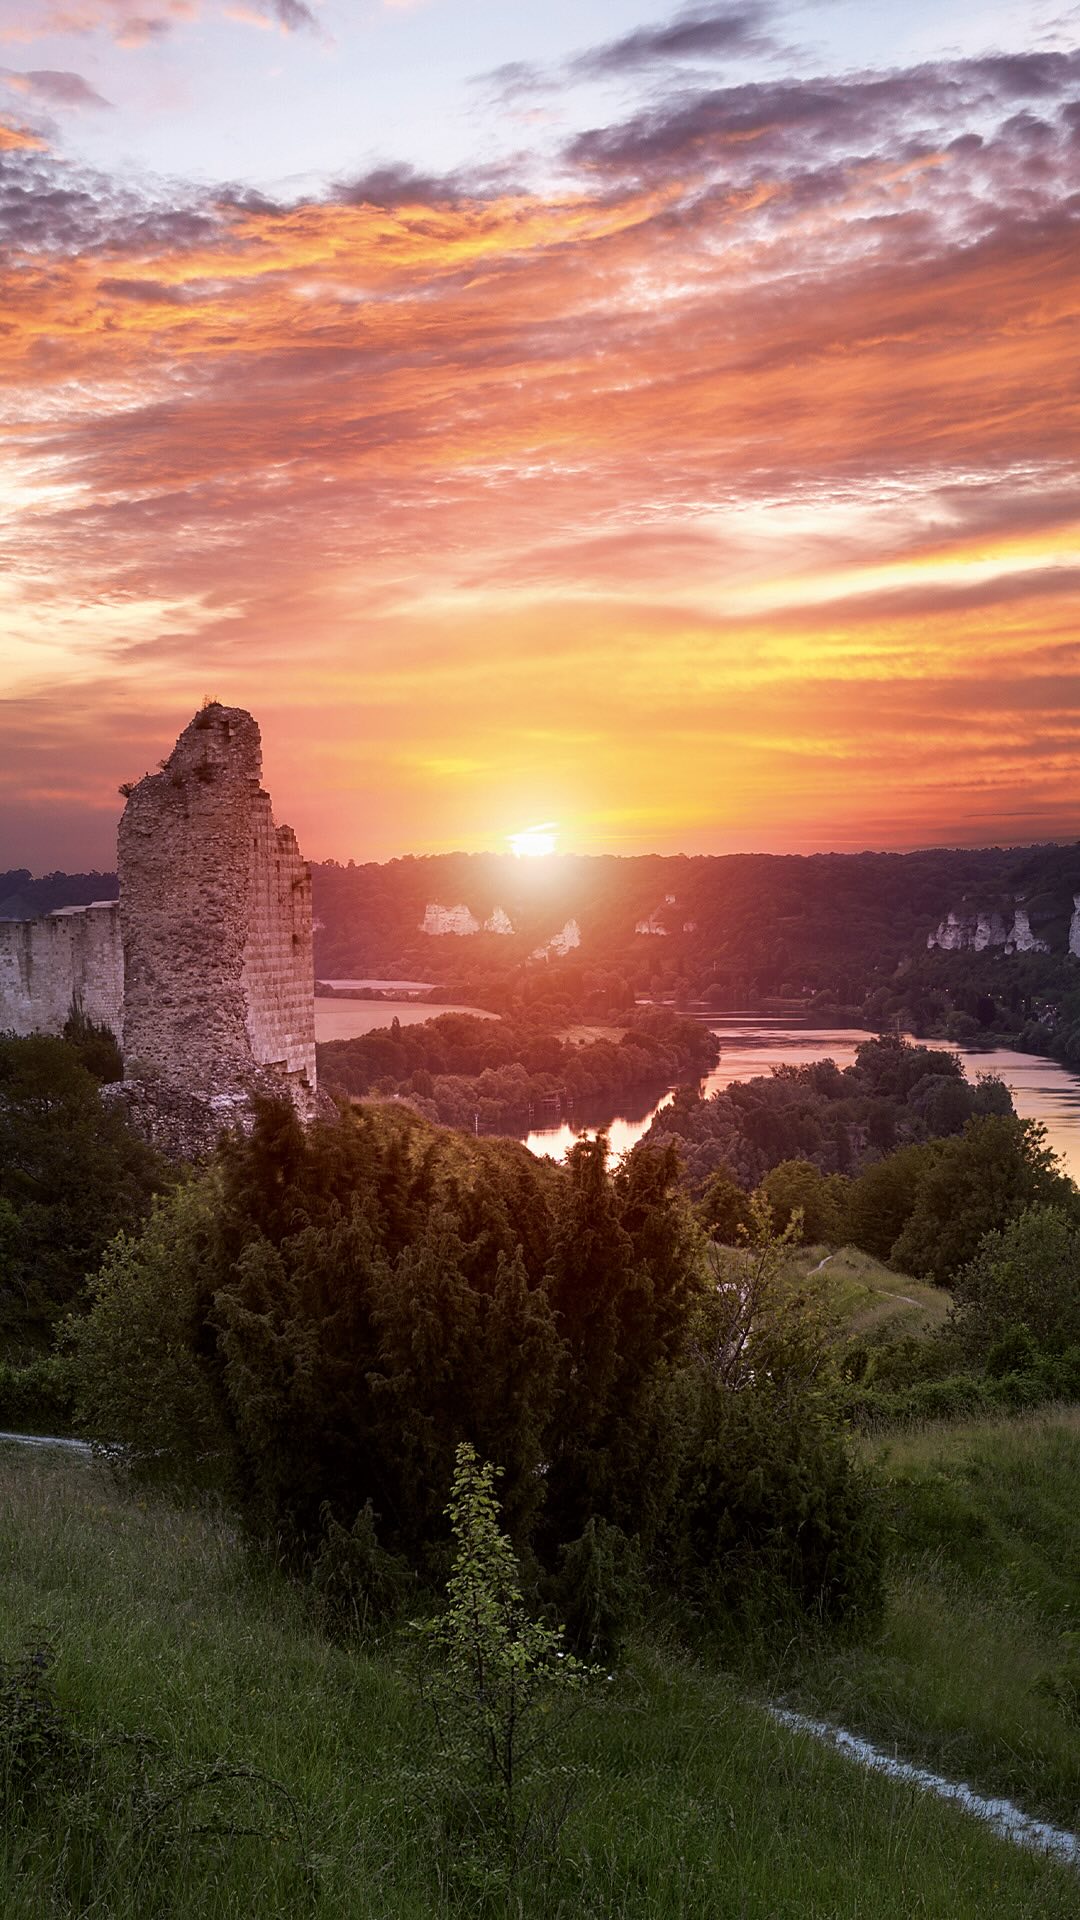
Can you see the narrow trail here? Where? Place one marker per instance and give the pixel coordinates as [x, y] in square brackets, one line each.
[883, 1291]
[47, 1440]
[905, 1297]
[1006, 1819]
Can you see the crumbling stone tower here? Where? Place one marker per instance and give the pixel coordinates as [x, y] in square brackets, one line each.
[215, 915]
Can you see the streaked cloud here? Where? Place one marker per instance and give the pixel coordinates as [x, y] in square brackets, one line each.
[701, 33]
[19, 139]
[693, 500]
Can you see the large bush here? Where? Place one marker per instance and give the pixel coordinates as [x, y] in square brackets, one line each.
[767, 1506]
[977, 1182]
[316, 1324]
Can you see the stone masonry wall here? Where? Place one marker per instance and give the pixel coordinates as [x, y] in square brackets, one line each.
[215, 910]
[71, 955]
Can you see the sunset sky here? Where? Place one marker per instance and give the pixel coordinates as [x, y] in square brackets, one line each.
[661, 423]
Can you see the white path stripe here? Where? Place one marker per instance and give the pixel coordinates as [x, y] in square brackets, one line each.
[1005, 1818]
[47, 1440]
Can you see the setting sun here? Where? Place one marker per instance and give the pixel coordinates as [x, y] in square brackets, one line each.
[531, 842]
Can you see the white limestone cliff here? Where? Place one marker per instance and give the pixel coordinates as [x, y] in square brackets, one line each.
[560, 944]
[1021, 939]
[975, 932]
[438, 920]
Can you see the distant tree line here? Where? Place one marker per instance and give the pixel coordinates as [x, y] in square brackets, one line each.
[843, 934]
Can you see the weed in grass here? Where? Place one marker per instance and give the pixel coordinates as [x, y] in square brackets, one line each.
[38, 1752]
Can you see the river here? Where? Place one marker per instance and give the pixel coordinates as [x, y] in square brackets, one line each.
[752, 1044]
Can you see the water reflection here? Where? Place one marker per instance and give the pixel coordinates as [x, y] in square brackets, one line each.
[1041, 1089]
[624, 1129]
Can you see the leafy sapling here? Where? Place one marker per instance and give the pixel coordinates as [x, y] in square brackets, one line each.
[494, 1681]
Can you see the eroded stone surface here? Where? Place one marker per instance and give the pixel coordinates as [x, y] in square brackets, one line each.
[974, 932]
[215, 913]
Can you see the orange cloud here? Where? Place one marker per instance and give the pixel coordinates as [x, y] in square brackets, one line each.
[688, 505]
[18, 140]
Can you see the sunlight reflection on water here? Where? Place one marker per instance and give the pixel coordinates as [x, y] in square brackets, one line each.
[1041, 1089]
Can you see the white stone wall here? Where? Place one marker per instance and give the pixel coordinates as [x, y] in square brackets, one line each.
[71, 955]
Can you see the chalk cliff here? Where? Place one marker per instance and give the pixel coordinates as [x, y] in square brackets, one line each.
[460, 920]
[963, 930]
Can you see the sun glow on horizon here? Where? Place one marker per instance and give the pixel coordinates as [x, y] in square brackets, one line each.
[532, 842]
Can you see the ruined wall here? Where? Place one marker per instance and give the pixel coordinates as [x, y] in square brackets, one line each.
[215, 912]
[71, 955]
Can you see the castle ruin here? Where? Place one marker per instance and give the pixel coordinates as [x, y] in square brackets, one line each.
[70, 957]
[204, 967]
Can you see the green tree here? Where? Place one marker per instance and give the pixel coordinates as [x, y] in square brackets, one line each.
[1026, 1274]
[979, 1181]
[491, 1679]
[724, 1208]
[770, 1517]
[820, 1199]
[138, 1357]
[72, 1172]
[881, 1199]
[624, 1273]
[95, 1044]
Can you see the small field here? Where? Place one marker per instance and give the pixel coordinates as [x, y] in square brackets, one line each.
[584, 1036]
[868, 1298]
[246, 1765]
[344, 1019]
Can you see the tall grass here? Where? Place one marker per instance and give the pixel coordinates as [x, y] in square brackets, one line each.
[688, 1801]
[976, 1669]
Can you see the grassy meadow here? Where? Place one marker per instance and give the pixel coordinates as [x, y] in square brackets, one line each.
[976, 1670]
[867, 1299]
[235, 1761]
